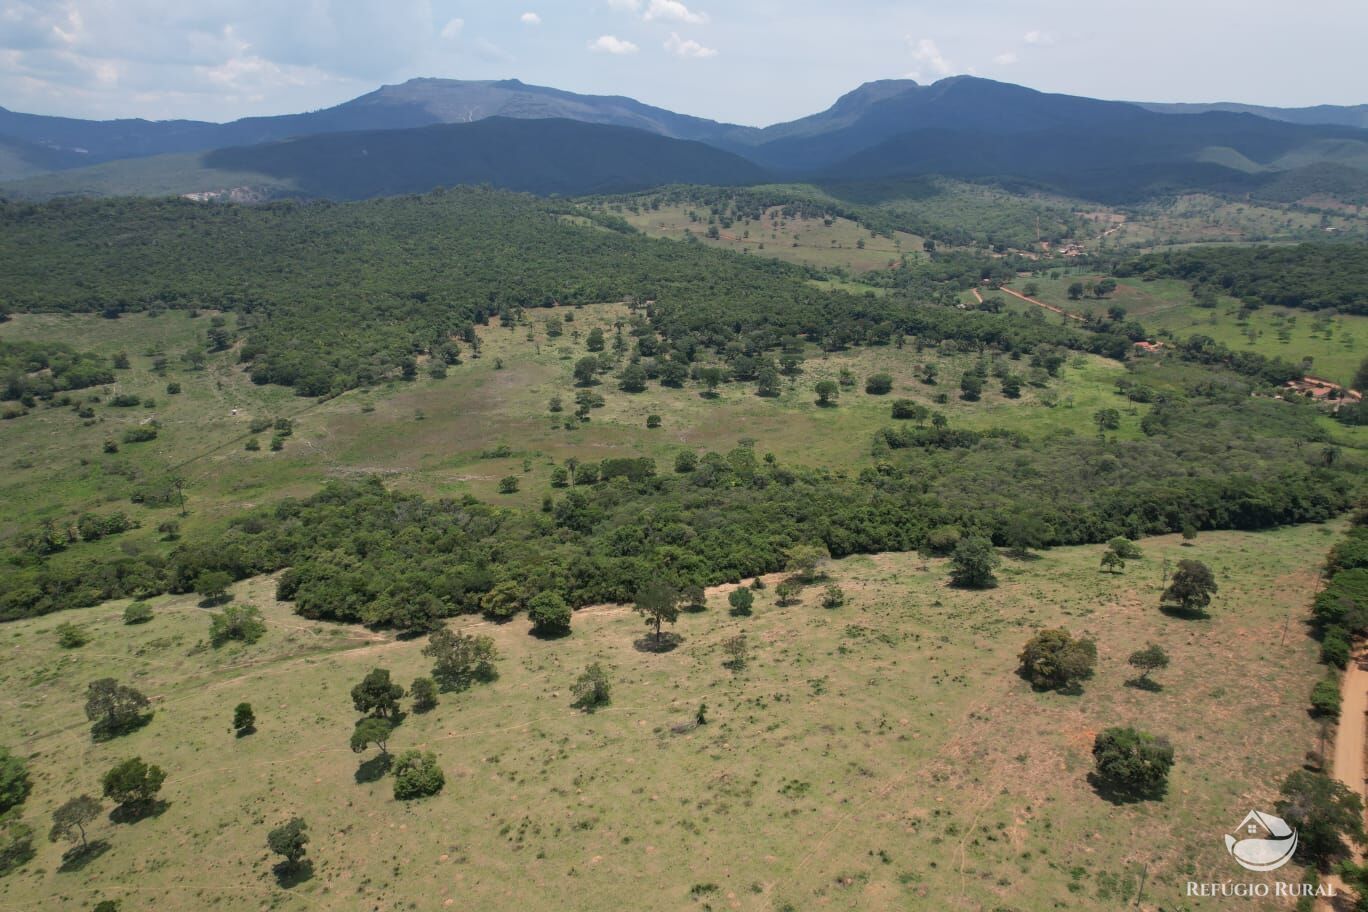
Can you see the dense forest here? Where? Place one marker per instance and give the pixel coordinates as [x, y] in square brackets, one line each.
[1311, 276]
[334, 296]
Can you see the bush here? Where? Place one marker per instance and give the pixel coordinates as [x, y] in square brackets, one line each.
[1325, 698]
[14, 781]
[973, 562]
[236, 622]
[1054, 660]
[833, 597]
[16, 844]
[1132, 762]
[508, 484]
[549, 613]
[741, 600]
[137, 613]
[140, 434]
[417, 775]
[652, 421]
[879, 384]
[424, 694]
[592, 689]
[70, 636]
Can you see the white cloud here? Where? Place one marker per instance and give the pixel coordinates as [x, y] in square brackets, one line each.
[675, 11]
[611, 44]
[929, 59]
[625, 6]
[452, 29]
[1036, 36]
[530, 19]
[1006, 58]
[687, 49]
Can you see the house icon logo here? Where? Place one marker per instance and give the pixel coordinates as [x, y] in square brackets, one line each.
[1262, 842]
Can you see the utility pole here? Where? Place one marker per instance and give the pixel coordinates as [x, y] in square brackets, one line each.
[1139, 894]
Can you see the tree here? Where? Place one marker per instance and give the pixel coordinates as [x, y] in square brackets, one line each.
[1191, 588]
[1024, 531]
[1107, 419]
[767, 381]
[137, 613]
[737, 649]
[417, 775]
[592, 689]
[69, 821]
[1325, 812]
[686, 462]
[594, 340]
[114, 708]
[244, 719]
[133, 784]
[827, 391]
[377, 695]
[503, 601]
[508, 484]
[14, 781]
[212, 585]
[971, 387]
[289, 841]
[1104, 287]
[586, 369]
[1075, 291]
[1119, 550]
[459, 659]
[632, 379]
[972, 563]
[712, 378]
[833, 597]
[741, 600]
[1150, 659]
[236, 622]
[803, 560]
[879, 384]
[786, 593]
[550, 614]
[657, 603]
[1132, 762]
[1054, 660]
[1011, 386]
[371, 730]
[424, 694]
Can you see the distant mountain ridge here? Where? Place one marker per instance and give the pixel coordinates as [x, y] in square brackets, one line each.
[961, 126]
[1329, 115]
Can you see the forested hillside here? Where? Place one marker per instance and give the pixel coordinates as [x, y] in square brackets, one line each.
[1309, 276]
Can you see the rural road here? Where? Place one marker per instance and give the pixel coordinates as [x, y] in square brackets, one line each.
[1347, 763]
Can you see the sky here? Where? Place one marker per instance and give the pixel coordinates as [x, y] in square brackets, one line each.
[753, 62]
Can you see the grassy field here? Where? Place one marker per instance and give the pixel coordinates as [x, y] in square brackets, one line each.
[1336, 344]
[486, 420]
[1200, 218]
[882, 755]
[809, 242]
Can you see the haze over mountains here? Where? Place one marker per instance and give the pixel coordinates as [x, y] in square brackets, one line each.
[430, 132]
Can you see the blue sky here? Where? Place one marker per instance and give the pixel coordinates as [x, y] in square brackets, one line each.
[745, 61]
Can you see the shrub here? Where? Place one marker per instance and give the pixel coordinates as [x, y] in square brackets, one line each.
[137, 613]
[70, 636]
[1054, 660]
[879, 384]
[236, 622]
[592, 689]
[549, 613]
[1132, 762]
[140, 434]
[741, 600]
[417, 775]
[1325, 698]
[833, 597]
[14, 781]
[424, 694]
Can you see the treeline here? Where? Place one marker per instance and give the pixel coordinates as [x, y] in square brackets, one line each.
[1311, 276]
[40, 369]
[359, 552]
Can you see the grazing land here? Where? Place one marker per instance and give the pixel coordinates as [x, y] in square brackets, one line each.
[878, 755]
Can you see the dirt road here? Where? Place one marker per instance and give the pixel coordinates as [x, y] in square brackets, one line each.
[1050, 307]
[1347, 763]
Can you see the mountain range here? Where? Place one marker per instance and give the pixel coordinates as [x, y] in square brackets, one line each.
[430, 132]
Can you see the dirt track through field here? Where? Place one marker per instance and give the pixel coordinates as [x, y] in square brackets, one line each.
[1049, 307]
